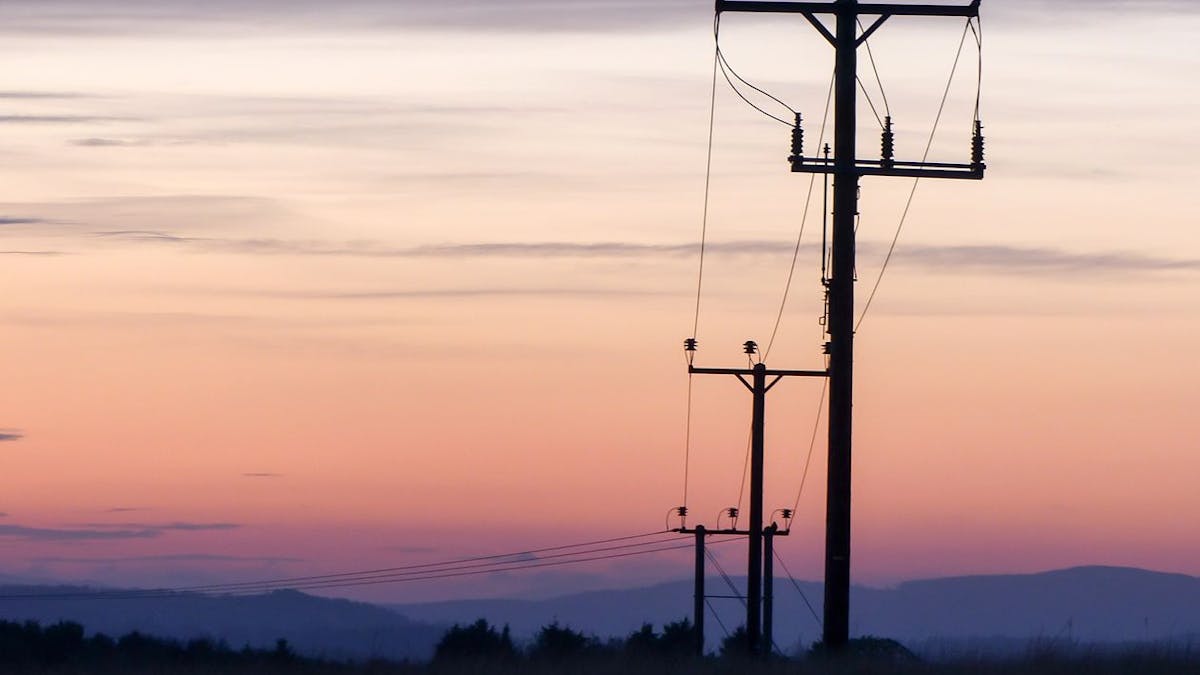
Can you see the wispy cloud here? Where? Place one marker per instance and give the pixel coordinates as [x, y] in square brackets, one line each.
[53, 534]
[178, 557]
[262, 474]
[61, 119]
[109, 142]
[127, 17]
[21, 221]
[165, 527]
[10, 435]
[126, 509]
[34, 254]
[40, 95]
[933, 257]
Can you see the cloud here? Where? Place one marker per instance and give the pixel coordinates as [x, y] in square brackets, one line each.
[1038, 260]
[179, 557]
[126, 509]
[262, 475]
[34, 254]
[167, 213]
[40, 95]
[61, 119]
[165, 527]
[108, 142]
[22, 221]
[74, 17]
[997, 258]
[10, 435]
[53, 535]
[448, 293]
[3, 514]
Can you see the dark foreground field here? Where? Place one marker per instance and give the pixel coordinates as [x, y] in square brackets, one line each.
[66, 649]
[1127, 665]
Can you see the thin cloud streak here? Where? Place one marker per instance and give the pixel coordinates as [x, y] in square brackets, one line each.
[76, 17]
[62, 119]
[43, 534]
[934, 258]
[40, 95]
[178, 557]
[176, 526]
[10, 436]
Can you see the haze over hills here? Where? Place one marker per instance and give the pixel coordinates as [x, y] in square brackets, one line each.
[1085, 604]
[314, 626]
[980, 613]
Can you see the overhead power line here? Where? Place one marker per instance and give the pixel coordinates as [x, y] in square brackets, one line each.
[569, 554]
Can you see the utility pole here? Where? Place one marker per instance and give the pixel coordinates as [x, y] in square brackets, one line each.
[755, 379]
[847, 170]
[698, 592]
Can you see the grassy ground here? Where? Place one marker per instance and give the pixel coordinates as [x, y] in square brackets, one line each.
[1146, 664]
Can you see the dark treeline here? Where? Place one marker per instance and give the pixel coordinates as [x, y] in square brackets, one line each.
[66, 649]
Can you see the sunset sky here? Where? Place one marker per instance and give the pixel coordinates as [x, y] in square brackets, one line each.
[298, 287]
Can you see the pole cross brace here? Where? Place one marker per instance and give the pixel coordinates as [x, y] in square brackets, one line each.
[877, 9]
[750, 372]
[875, 167]
[726, 533]
[810, 10]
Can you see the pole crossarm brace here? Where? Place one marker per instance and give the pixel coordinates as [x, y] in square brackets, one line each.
[875, 167]
[728, 533]
[749, 372]
[876, 9]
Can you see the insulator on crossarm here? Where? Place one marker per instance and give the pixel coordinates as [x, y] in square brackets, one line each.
[977, 146]
[690, 344]
[889, 144]
[797, 156]
[751, 347]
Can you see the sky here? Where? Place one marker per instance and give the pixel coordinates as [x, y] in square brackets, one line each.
[306, 287]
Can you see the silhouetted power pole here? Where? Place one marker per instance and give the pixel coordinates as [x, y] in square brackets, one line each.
[847, 169]
[755, 378]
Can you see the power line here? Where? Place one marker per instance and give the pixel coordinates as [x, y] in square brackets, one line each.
[728, 70]
[787, 287]
[812, 443]
[916, 181]
[798, 589]
[498, 562]
[875, 68]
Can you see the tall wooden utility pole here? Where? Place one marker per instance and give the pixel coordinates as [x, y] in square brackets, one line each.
[847, 169]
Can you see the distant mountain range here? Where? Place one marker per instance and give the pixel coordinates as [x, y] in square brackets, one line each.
[1087, 605]
[314, 626]
[978, 613]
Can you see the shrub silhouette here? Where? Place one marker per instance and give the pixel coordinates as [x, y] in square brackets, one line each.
[872, 648]
[736, 645]
[678, 639]
[558, 643]
[478, 642]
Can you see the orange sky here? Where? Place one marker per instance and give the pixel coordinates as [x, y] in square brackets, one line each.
[319, 293]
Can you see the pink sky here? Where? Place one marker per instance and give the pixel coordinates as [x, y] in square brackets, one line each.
[315, 291]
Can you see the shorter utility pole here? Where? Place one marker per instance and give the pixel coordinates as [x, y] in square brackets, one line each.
[698, 600]
[755, 378]
[768, 642]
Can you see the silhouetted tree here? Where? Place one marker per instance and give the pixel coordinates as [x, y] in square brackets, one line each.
[478, 641]
[872, 648]
[736, 645]
[642, 642]
[558, 643]
[679, 638]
